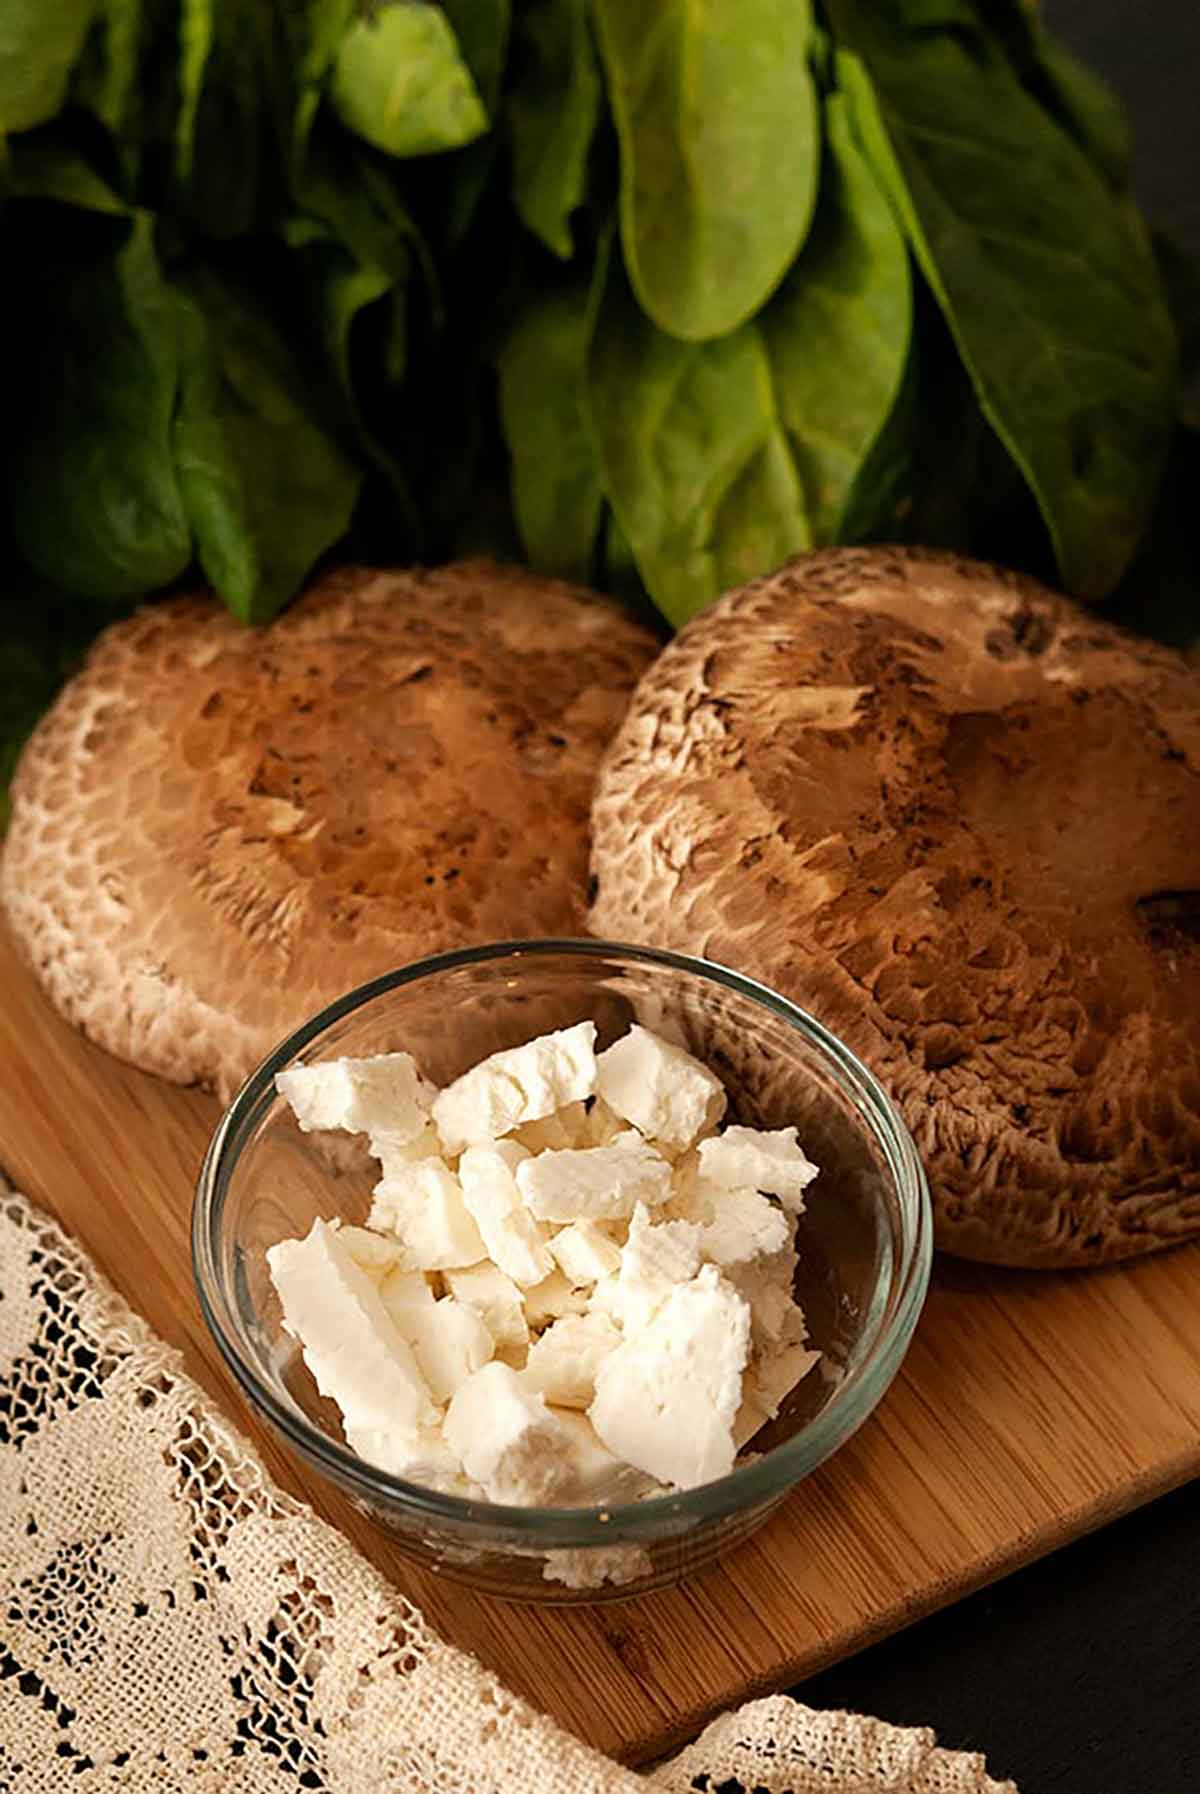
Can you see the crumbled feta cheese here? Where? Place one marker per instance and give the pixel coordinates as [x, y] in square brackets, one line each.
[496, 1299]
[384, 1096]
[595, 1183]
[646, 1262]
[511, 1236]
[767, 1284]
[593, 1474]
[451, 1342]
[602, 1124]
[756, 1159]
[562, 1364]
[507, 1439]
[744, 1226]
[396, 1156]
[350, 1342]
[422, 1457]
[407, 1297]
[425, 1209]
[370, 1251]
[662, 1090]
[567, 1127]
[768, 1381]
[667, 1397]
[654, 1259]
[518, 1085]
[585, 1253]
[555, 1295]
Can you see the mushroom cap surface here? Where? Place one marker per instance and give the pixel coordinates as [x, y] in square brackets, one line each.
[217, 830]
[958, 818]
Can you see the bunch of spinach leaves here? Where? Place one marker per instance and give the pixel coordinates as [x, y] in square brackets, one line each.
[652, 296]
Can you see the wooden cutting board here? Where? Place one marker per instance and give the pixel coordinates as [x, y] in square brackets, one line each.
[1031, 1408]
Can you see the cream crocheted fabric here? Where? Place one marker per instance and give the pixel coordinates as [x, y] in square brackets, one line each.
[170, 1620]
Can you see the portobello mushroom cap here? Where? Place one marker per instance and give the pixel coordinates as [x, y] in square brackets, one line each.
[958, 818]
[217, 830]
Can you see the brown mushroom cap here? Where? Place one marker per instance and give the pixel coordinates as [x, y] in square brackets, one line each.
[216, 830]
[959, 819]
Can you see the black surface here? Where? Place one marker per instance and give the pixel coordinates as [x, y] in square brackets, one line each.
[1081, 1674]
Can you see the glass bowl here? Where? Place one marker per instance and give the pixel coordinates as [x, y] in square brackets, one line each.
[864, 1242]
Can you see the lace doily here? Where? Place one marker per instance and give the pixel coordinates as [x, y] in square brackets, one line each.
[169, 1619]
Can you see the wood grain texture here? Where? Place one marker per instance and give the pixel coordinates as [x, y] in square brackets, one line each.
[1031, 1407]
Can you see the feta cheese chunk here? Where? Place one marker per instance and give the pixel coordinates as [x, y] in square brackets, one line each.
[667, 1397]
[755, 1159]
[424, 1208]
[744, 1226]
[585, 1253]
[451, 1341]
[496, 1299]
[594, 1183]
[421, 1457]
[662, 1090]
[349, 1340]
[371, 1252]
[507, 1439]
[655, 1258]
[385, 1096]
[562, 1364]
[511, 1236]
[767, 1284]
[566, 1127]
[555, 1295]
[770, 1379]
[396, 1156]
[593, 1474]
[520, 1084]
[408, 1298]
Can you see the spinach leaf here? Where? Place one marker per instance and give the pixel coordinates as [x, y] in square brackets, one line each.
[401, 83]
[553, 110]
[94, 500]
[716, 114]
[39, 43]
[105, 78]
[1041, 272]
[41, 167]
[837, 331]
[195, 42]
[267, 489]
[481, 28]
[315, 31]
[694, 455]
[555, 480]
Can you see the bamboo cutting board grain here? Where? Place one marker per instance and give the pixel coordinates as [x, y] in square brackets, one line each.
[1031, 1408]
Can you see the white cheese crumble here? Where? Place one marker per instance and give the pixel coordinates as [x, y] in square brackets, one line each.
[662, 1090]
[521, 1084]
[570, 1289]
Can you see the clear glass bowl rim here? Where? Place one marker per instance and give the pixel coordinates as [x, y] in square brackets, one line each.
[879, 1352]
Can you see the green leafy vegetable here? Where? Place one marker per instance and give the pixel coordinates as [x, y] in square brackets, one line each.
[291, 276]
[1044, 277]
[401, 83]
[39, 43]
[94, 501]
[553, 111]
[716, 114]
[555, 479]
[837, 332]
[693, 451]
[195, 42]
[266, 488]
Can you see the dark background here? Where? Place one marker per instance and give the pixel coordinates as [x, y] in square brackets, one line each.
[1081, 1675]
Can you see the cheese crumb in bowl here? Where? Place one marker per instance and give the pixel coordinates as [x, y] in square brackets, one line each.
[638, 1326]
[570, 1320]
